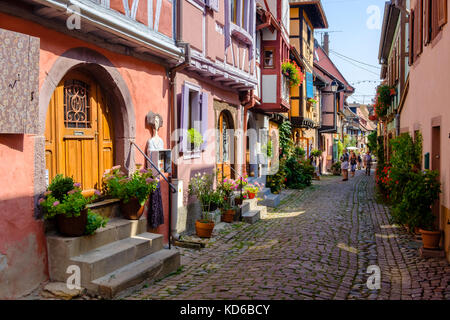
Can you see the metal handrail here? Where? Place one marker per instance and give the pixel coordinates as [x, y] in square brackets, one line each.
[172, 187]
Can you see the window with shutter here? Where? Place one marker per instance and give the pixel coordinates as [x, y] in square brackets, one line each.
[204, 119]
[417, 31]
[419, 14]
[427, 21]
[191, 115]
[442, 13]
[411, 37]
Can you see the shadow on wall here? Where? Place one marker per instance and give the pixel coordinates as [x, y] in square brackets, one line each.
[23, 257]
[13, 141]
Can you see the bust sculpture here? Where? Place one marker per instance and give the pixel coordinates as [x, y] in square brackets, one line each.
[155, 121]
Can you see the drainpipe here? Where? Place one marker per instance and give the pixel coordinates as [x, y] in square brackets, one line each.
[173, 214]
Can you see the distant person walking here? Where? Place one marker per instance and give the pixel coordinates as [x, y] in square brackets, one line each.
[359, 161]
[368, 162]
[353, 162]
[344, 164]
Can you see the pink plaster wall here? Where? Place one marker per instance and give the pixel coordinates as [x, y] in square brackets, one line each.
[148, 87]
[207, 161]
[429, 97]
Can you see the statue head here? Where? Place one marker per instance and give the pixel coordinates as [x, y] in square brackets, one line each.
[154, 120]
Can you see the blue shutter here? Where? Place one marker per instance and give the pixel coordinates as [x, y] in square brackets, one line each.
[184, 118]
[204, 119]
[309, 85]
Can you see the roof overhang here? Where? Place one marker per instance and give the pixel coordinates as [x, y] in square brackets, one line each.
[314, 10]
[390, 21]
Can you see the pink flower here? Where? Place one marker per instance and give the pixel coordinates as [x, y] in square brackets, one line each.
[149, 180]
[77, 185]
[47, 193]
[143, 170]
[97, 193]
[116, 167]
[55, 203]
[71, 191]
[41, 200]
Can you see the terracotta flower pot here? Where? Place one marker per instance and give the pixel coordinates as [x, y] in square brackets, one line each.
[228, 216]
[430, 239]
[132, 210]
[204, 229]
[251, 195]
[73, 226]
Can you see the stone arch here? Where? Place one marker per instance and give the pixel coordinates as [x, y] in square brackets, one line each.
[111, 82]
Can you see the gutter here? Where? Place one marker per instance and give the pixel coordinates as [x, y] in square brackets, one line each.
[120, 25]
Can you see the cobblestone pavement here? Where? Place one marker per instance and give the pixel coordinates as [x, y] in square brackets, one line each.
[316, 245]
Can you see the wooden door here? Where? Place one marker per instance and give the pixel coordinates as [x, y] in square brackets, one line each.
[224, 155]
[79, 132]
[436, 164]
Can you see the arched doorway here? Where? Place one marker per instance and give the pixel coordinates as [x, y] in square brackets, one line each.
[225, 146]
[79, 140]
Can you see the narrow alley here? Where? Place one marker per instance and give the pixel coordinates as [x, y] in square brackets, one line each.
[317, 244]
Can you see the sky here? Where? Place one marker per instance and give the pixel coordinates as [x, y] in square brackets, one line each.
[355, 29]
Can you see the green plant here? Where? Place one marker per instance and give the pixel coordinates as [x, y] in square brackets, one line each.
[139, 185]
[292, 72]
[195, 137]
[285, 132]
[253, 188]
[316, 153]
[419, 194]
[60, 186]
[226, 187]
[383, 100]
[201, 186]
[372, 141]
[94, 221]
[299, 173]
[336, 168]
[312, 101]
[340, 148]
[277, 181]
[267, 149]
[71, 203]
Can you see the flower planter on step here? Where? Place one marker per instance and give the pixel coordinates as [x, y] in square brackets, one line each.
[73, 226]
[251, 195]
[204, 229]
[430, 239]
[132, 210]
[228, 216]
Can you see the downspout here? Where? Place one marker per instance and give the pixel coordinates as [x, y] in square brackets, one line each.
[171, 73]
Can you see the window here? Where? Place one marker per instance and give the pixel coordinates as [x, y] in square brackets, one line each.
[233, 8]
[268, 58]
[77, 110]
[193, 114]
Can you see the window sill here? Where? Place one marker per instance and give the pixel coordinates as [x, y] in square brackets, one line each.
[192, 155]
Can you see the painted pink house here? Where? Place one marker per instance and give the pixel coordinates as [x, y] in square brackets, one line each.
[425, 107]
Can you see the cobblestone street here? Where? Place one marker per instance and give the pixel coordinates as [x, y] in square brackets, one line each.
[316, 245]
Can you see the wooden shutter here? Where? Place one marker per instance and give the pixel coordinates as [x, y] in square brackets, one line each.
[419, 18]
[204, 119]
[417, 44]
[442, 13]
[411, 37]
[184, 117]
[426, 21]
[434, 19]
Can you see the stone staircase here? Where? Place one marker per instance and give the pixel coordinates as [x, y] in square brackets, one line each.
[268, 199]
[250, 211]
[117, 257]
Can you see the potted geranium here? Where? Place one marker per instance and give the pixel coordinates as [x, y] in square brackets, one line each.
[64, 201]
[239, 186]
[133, 191]
[253, 189]
[291, 70]
[201, 186]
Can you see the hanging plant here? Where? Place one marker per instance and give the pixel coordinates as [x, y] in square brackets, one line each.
[312, 100]
[383, 100]
[292, 71]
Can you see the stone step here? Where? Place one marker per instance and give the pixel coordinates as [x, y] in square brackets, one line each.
[103, 260]
[251, 216]
[152, 267]
[244, 207]
[253, 203]
[108, 208]
[271, 200]
[264, 192]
